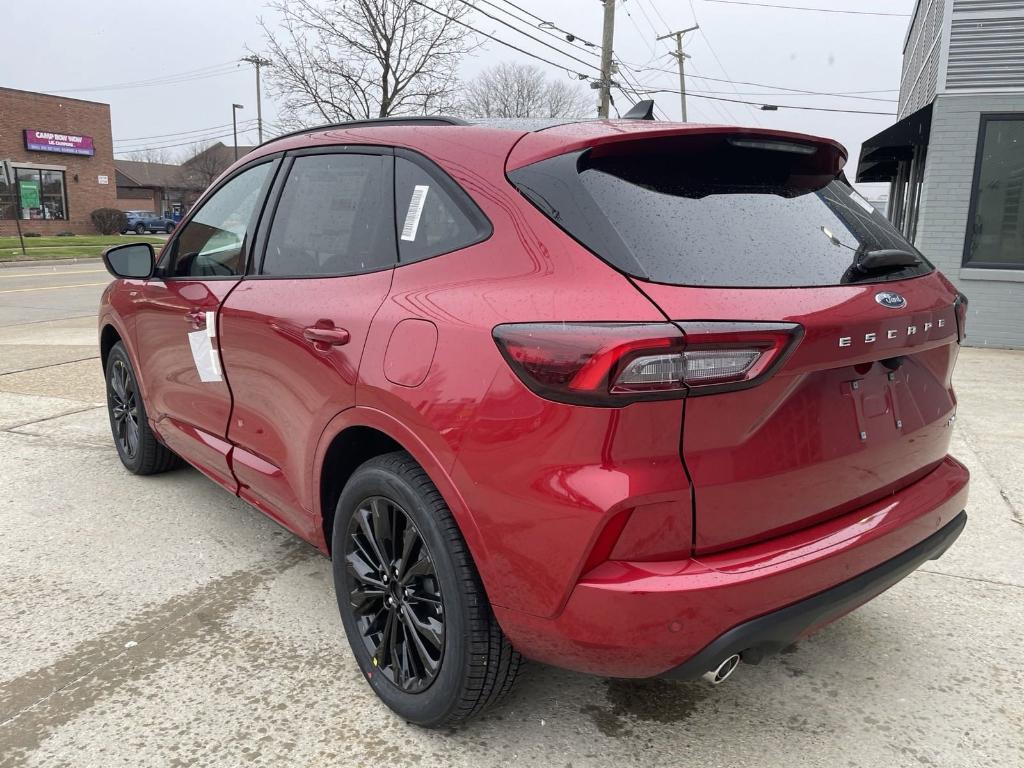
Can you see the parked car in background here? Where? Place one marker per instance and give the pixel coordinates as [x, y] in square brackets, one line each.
[141, 222]
[459, 360]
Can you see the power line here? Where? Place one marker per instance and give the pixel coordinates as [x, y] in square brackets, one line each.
[545, 26]
[121, 150]
[213, 70]
[840, 94]
[170, 135]
[649, 89]
[525, 34]
[721, 66]
[498, 40]
[640, 88]
[804, 8]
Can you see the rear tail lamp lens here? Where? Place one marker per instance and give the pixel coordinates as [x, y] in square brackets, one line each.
[618, 363]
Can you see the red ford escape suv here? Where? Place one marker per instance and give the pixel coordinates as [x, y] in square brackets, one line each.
[632, 398]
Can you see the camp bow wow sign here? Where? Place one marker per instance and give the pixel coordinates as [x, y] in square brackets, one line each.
[65, 143]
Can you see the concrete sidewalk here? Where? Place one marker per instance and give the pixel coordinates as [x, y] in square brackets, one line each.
[160, 621]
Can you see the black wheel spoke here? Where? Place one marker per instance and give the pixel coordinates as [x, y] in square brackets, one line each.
[418, 632]
[401, 620]
[381, 520]
[124, 412]
[366, 526]
[132, 435]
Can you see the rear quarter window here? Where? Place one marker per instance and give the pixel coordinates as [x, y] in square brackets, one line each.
[433, 215]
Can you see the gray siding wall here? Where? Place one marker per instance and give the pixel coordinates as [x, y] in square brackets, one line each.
[922, 55]
[996, 306]
[986, 45]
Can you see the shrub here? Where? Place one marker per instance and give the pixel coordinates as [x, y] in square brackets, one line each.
[31, 234]
[108, 221]
[65, 234]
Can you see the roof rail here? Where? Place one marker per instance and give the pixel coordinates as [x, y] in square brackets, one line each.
[435, 120]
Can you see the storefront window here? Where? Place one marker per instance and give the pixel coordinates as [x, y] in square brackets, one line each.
[38, 194]
[995, 228]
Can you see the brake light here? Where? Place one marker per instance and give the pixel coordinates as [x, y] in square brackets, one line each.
[619, 363]
[960, 305]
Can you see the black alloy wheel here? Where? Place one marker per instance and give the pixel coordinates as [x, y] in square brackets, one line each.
[124, 409]
[395, 594]
[415, 612]
[140, 229]
[137, 446]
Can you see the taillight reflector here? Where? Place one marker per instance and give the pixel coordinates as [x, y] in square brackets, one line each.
[619, 363]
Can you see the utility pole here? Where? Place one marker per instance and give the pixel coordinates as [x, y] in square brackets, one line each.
[234, 125]
[605, 86]
[681, 57]
[258, 61]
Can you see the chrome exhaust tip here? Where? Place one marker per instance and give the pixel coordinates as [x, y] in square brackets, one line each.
[721, 673]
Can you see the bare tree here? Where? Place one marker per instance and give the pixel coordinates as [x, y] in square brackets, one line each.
[338, 60]
[511, 89]
[151, 155]
[204, 163]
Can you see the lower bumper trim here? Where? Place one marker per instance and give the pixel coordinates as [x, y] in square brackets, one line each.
[768, 634]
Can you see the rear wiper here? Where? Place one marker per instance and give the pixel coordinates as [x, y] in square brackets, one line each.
[885, 258]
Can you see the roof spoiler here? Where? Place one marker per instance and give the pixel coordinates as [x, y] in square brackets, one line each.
[642, 110]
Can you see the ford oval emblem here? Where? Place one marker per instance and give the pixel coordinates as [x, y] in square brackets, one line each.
[890, 300]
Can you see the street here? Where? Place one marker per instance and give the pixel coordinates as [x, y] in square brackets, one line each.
[160, 621]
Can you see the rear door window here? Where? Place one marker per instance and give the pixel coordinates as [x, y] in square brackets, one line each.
[334, 217]
[724, 216]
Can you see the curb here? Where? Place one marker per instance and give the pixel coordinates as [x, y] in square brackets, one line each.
[38, 262]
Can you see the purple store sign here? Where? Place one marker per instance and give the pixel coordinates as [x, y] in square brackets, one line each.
[65, 143]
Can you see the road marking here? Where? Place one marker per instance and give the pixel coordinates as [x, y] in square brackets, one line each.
[43, 273]
[50, 288]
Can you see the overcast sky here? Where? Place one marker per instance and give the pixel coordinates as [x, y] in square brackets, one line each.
[77, 49]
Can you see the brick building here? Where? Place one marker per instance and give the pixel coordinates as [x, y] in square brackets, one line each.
[167, 190]
[62, 162]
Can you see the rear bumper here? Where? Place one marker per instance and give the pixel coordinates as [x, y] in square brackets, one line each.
[774, 631]
[679, 618]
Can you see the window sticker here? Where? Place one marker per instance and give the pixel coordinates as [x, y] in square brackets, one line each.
[204, 356]
[412, 216]
[855, 196]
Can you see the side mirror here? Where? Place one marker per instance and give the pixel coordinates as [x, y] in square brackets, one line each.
[132, 261]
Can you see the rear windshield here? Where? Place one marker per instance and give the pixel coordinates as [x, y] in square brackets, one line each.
[724, 216]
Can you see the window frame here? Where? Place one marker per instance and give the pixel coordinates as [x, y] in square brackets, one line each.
[965, 260]
[163, 261]
[454, 190]
[255, 271]
[15, 190]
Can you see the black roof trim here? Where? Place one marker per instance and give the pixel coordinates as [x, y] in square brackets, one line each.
[435, 120]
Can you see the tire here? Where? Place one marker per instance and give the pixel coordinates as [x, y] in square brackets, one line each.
[475, 665]
[140, 229]
[168, 228]
[137, 446]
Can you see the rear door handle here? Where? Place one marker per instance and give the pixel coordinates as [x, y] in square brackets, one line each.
[334, 337]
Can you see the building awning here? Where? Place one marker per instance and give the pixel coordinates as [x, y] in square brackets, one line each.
[880, 155]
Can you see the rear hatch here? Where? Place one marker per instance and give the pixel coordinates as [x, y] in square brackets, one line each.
[717, 226]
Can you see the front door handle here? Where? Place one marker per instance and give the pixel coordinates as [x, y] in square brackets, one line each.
[334, 337]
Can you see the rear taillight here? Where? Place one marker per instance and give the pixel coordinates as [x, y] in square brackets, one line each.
[618, 363]
[960, 305]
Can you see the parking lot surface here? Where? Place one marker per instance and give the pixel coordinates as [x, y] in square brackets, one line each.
[162, 622]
